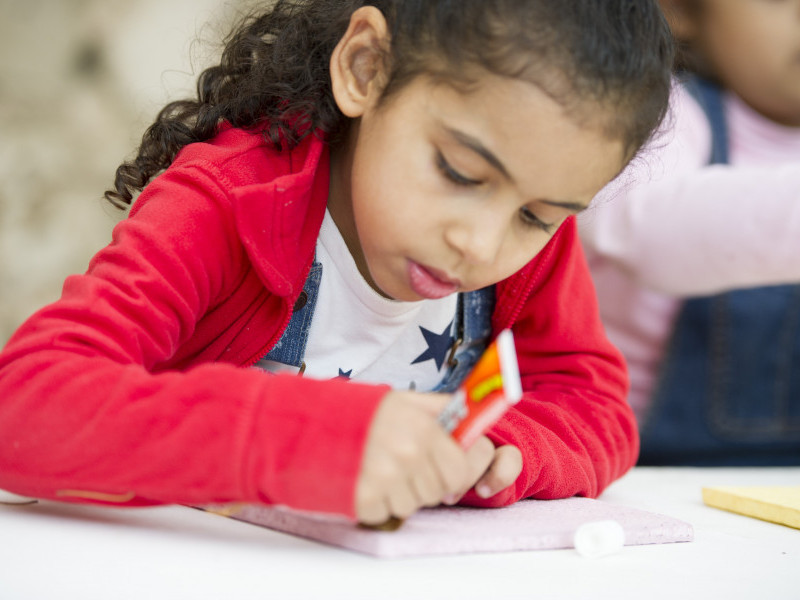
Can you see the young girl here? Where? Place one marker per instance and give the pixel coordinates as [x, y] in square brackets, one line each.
[364, 194]
[713, 365]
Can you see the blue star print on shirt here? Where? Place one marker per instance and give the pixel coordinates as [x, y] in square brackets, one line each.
[439, 345]
[344, 374]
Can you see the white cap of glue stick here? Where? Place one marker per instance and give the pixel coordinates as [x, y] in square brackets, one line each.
[599, 538]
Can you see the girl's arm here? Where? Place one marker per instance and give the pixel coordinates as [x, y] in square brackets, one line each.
[89, 413]
[573, 425]
[682, 228]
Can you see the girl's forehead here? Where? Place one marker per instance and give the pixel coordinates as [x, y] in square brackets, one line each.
[517, 128]
[517, 107]
[511, 100]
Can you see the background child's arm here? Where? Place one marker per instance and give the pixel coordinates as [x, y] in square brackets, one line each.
[684, 228]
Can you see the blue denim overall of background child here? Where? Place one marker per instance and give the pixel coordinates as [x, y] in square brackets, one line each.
[729, 389]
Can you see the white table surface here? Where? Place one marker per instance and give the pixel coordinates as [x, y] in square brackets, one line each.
[59, 552]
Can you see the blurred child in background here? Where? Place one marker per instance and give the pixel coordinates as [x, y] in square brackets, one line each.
[697, 262]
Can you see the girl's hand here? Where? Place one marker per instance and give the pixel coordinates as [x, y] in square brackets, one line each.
[410, 461]
[505, 467]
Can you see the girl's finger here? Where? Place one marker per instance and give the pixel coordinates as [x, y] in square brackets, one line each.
[479, 458]
[427, 485]
[403, 502]
[372, 511]
[451, 465]
[504, 470]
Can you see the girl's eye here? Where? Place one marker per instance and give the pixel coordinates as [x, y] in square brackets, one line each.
[452, 174]
[532, 220]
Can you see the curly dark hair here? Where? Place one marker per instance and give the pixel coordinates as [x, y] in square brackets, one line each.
[274, 70]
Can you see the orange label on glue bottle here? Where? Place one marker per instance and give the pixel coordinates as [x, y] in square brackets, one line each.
[491, 388]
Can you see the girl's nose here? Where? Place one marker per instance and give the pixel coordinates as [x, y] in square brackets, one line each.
[478, 237]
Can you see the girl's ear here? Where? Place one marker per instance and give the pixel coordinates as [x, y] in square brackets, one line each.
[357, 63]
[682, 16]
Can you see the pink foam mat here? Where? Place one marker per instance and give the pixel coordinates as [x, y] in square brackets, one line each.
[526, 525]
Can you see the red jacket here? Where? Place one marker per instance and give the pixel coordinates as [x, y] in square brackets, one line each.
[130, 388]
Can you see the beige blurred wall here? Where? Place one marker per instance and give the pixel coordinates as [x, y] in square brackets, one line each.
[79, 81]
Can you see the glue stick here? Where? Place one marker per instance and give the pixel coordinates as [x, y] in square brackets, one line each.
[491, 388]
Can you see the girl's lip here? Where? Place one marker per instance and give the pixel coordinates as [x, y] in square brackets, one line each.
[430, 283]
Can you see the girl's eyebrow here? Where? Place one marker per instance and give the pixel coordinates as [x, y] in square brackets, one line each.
[574, 207]
[476, 146]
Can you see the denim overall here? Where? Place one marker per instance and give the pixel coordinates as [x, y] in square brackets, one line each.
[729, 389]
[471, 330]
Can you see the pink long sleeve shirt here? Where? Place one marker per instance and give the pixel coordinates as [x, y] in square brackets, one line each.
[672, 227]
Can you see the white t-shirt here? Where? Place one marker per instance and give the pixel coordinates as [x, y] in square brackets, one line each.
[359, 334]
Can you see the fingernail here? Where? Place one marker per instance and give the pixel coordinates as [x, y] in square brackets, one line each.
[450, 499]
[484, 491]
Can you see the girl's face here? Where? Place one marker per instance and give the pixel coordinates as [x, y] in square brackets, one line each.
[753, 46]
[443, 191]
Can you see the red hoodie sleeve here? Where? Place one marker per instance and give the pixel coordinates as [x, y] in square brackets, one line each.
[573, 425]
[86, 414]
